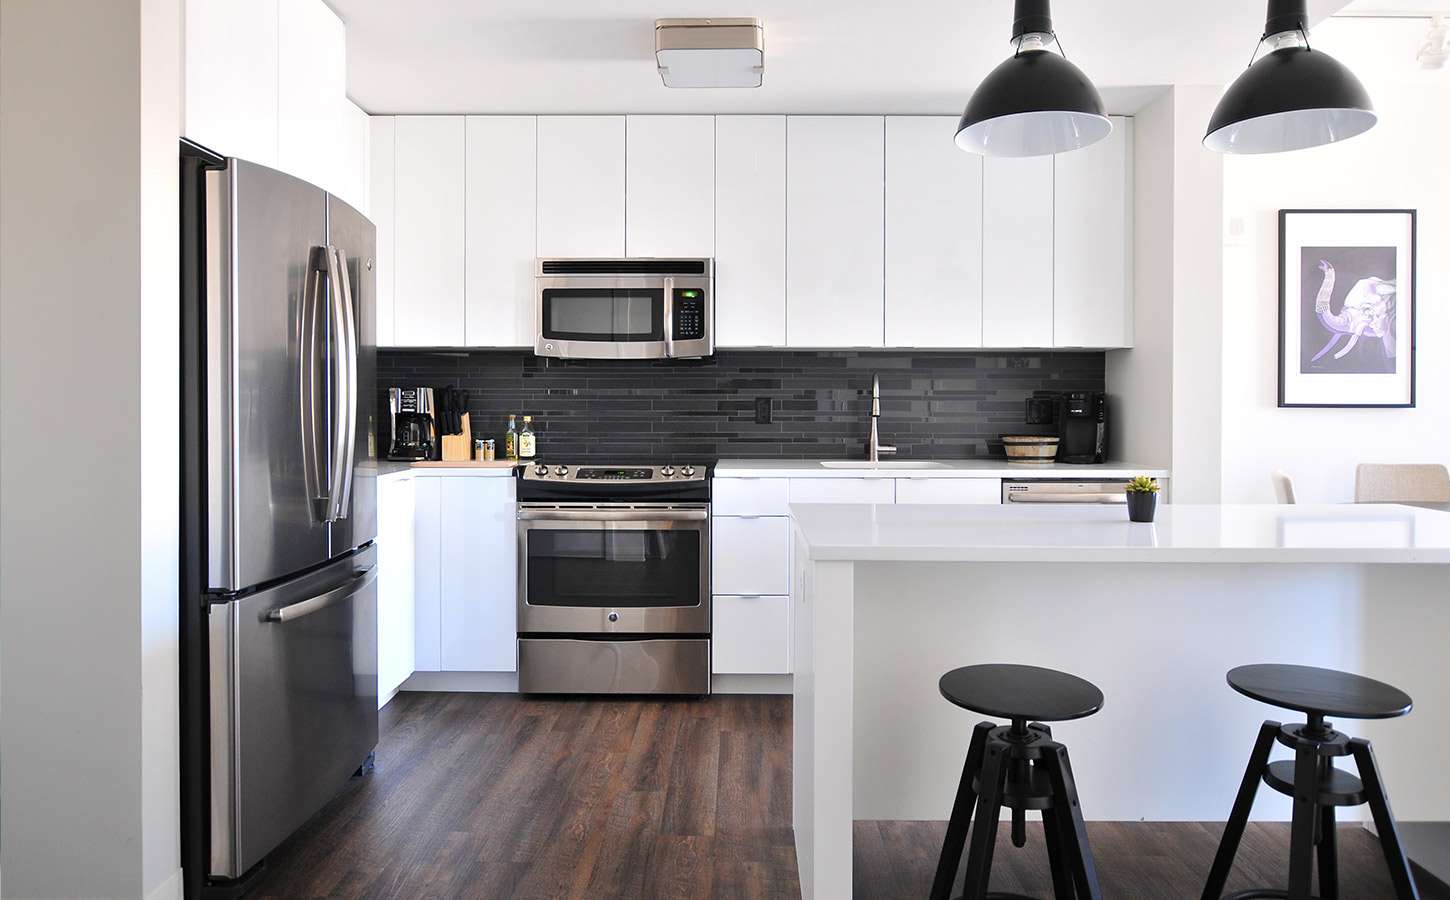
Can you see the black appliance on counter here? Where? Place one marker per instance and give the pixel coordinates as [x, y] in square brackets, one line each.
[614, 579]
[412, 432]
[1081, 421]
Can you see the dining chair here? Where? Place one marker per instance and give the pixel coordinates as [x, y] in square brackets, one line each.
[1379, 483]
[1283, 486]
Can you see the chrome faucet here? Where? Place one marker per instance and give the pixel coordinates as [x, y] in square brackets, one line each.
[874, 447]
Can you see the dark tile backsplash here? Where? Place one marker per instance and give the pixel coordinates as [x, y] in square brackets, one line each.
[945, 405]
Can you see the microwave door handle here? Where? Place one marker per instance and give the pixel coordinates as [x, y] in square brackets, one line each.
[347, 384]
[669, 313]
[311, 378]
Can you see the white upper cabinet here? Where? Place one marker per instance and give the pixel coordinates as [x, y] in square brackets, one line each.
[670, 186]
[380, 209]
[499, 230]
[428, 240]
[834, 227]
[1017, 251]
[933, 235]
[581, 186]
[1092, 243]
[352, 183]
[231, 78]
[311, 93]
[750, 231]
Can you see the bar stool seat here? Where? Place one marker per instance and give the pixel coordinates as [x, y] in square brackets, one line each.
[1020, 767]
[1308, 689]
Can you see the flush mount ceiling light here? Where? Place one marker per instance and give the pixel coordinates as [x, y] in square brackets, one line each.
[710, 53]
[1295, 97]
[1036, 102]
[1436, 47]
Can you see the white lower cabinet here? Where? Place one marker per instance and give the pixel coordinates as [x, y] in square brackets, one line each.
[843, 490]
[750, 555]
[751, 635]
[395, 583]
[465, 574]
[949, 490]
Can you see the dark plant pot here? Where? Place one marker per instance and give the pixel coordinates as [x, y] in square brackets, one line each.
[1141, 506]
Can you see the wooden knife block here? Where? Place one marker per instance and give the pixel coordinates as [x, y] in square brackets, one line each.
[457, 447]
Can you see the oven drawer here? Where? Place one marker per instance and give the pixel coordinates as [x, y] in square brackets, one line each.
[649, 666]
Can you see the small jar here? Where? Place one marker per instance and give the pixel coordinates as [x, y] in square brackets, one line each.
[479, 449]
[489, 454]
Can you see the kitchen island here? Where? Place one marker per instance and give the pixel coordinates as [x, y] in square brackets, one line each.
[889, 597]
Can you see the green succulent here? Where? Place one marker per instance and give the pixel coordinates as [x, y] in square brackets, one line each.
[1142, 484]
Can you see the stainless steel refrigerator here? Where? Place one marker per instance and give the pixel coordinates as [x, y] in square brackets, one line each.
[279, 597]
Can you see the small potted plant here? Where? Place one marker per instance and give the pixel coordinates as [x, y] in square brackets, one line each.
[1142, 498]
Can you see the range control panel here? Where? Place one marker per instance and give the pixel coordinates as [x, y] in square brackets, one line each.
[603, 475]
[689, 318]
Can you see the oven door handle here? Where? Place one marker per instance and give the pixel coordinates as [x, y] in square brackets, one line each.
[614, 515]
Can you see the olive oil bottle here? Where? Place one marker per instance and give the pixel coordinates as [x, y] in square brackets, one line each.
[511, 440]
[528, 445]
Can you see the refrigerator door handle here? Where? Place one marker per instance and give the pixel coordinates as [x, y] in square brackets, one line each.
[344, 409]
[313, 388]
[307, 607]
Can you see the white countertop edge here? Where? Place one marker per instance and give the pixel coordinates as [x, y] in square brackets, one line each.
[951, 468]
[445, 472]
[1237, 555]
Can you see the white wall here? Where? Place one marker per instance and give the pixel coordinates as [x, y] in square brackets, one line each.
[90, 100]
[1403, 162]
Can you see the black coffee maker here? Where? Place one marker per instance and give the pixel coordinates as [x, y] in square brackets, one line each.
[411, 428]
[1080, 419]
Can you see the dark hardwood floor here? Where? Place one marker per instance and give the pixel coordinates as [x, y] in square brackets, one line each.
[495, 796]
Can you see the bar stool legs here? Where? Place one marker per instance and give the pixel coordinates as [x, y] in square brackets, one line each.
[1020, 767]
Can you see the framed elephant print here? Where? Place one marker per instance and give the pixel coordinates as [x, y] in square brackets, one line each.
[1347, 307]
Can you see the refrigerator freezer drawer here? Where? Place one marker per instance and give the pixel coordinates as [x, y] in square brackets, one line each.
[293, 697]
[649, 666]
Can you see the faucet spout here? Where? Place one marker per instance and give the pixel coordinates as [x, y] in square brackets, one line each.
[874, 447]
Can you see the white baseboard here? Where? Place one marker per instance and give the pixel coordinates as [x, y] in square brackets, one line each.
[170, 889]
[751, 684]
[463, 682]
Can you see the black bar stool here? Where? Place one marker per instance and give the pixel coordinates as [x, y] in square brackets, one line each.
[1311, 777]
[1021, 767]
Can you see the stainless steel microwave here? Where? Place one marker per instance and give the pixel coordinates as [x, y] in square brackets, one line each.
[625, 308]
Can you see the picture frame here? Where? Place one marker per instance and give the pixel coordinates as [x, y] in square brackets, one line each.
[1347, 298]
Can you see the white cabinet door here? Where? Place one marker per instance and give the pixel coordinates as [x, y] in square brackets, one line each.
[381, 211]
[986, 491]
[842, 490]
[1093, 241]
[750, 231]
[750, 555]
[1017, 251]
[231, 78]
[428, 236]
[396, 639]
[311, 90]
[670, 186]
[427, 573]
[749, 497]
[933, 235]
[499, 230]
[751, 635]
[352, 163]
[581, 186]
[479, 622]
[834, 255]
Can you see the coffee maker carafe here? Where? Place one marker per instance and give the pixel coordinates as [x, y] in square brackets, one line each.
[411, 426]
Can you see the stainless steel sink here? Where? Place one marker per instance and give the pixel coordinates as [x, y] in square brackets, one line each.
[884, 464]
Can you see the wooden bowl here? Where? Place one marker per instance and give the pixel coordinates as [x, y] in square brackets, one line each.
[1030, 448]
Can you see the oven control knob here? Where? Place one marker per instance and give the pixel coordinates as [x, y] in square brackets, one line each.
[541, 470]
[613, 616]
[668, 471]
[688, 471]
[561, 471]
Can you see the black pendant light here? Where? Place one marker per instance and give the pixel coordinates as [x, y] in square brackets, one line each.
[1035, 102]
[1293, 98]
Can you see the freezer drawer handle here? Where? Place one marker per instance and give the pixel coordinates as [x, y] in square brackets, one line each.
[307, 607]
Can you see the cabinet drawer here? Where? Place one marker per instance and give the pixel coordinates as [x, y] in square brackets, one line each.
[842, 490]
[749, 497]
[750, 556]
[949, 490]
[751, 635]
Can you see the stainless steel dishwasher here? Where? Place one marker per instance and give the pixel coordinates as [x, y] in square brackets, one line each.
[1059, 491]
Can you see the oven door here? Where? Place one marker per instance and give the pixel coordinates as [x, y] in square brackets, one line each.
[602, 318]
[614, 569]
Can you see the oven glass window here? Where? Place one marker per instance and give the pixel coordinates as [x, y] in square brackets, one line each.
[605, 314]
[613, 569]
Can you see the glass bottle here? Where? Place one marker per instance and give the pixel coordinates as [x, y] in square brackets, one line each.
[527, 443]
[511, 440]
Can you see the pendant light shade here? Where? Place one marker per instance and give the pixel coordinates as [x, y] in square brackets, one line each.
[1036, 102]
[1295, 97]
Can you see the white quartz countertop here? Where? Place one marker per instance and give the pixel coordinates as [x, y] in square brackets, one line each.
[946, 468]
[1182, 534]
[399, 469]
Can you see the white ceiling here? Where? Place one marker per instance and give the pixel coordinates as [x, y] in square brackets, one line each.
[821, 56]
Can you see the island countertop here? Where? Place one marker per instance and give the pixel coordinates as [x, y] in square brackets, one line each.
[1328, 533]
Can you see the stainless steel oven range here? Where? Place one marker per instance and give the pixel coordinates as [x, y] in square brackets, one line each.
[614, 579]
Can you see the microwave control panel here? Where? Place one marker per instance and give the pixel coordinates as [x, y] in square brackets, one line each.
[689, 317]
